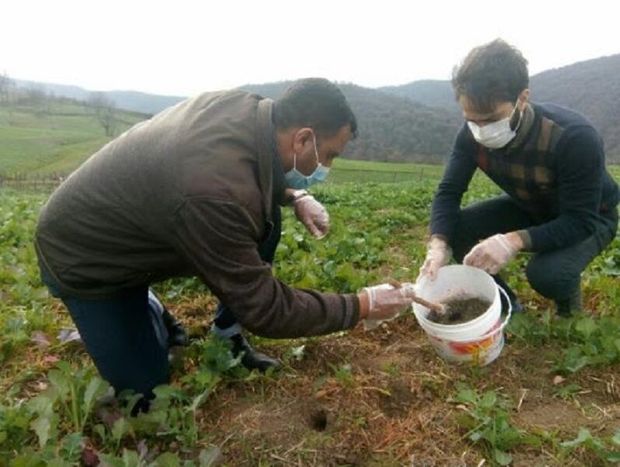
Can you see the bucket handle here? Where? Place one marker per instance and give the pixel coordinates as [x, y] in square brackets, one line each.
[506, 320]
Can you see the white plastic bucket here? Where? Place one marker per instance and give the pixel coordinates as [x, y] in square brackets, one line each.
[479, 341]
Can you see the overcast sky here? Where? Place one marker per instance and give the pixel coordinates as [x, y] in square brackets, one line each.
[186, 47]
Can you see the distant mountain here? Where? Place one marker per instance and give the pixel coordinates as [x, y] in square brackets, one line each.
[433, 93]
[142, 102]
[60, 90]
[417, 121]
[391, 128]
[128, 100]
[591, 87]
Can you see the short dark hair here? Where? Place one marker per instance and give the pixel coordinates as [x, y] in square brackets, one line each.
[491, 73]
[316, 103]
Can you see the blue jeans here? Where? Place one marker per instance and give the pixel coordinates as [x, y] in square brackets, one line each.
[125, 336]
[225, 320]
[553, 274]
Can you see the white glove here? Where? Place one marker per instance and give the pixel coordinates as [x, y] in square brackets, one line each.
[491, 254]
[438, 254]
[385, 302]
[312, 214]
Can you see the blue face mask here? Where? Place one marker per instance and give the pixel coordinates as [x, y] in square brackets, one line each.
[295, 179]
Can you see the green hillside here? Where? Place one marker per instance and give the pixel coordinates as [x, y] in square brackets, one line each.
[414, 122]
[41, 134]
[54, 136]
[591, 87]
[391, 128]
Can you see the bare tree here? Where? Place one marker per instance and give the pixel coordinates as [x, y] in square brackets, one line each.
[6, 85]
[105, 111]
[37, 97]
[35, 94]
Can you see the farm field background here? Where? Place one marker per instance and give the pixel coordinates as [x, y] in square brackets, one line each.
[381, 397]
[55, 138]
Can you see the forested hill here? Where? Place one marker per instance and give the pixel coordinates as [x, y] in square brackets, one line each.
[433, 93]
[391, 128]
[591, 87]
[418, 121]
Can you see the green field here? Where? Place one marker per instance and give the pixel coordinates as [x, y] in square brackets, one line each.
[53, 139]
[57, 138]
[380, 398]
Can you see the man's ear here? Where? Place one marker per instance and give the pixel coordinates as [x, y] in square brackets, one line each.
[524, 97]
[300, 138]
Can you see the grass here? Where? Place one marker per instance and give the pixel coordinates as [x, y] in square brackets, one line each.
[377, 398]
[54, 140]
[359, 398]
[346, 170]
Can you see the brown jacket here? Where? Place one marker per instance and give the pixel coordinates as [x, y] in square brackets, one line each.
[188, 192]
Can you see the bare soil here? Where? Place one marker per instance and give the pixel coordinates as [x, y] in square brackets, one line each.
[459, 311]
[395, 409]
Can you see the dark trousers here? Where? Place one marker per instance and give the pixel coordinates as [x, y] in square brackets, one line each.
[124, 335]
[224, 318]
[554, 274]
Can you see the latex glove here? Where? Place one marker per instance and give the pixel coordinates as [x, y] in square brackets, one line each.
[438, 254]
[385, 302]
[491, 254]
[312, 214]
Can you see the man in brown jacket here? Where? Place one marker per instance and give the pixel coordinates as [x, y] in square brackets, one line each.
[197, 190]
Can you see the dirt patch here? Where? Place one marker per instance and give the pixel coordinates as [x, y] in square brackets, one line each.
[551, 414]
[394, 408]
[458, 311]
[274, 413]
[397, 400]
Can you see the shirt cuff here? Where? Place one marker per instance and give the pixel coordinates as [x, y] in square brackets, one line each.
[526, 238]
[352, 310]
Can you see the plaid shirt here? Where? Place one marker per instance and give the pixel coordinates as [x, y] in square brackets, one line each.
[525, 168]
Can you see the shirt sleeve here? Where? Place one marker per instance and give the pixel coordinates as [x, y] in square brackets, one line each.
[457, 175]
[218, 239]
[580, 169]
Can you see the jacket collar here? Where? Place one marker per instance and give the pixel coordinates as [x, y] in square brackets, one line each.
[270, 174]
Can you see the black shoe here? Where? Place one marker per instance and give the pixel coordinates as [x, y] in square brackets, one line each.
[251, 359]
[569, 306]
[177, 336]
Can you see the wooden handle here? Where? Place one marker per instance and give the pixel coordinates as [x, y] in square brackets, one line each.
[431, 306]
[436, 307]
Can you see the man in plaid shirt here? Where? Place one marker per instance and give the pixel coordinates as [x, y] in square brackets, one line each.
[559, 201]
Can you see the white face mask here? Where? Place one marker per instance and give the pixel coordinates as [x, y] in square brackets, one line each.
[295, 179]
[497, 134]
